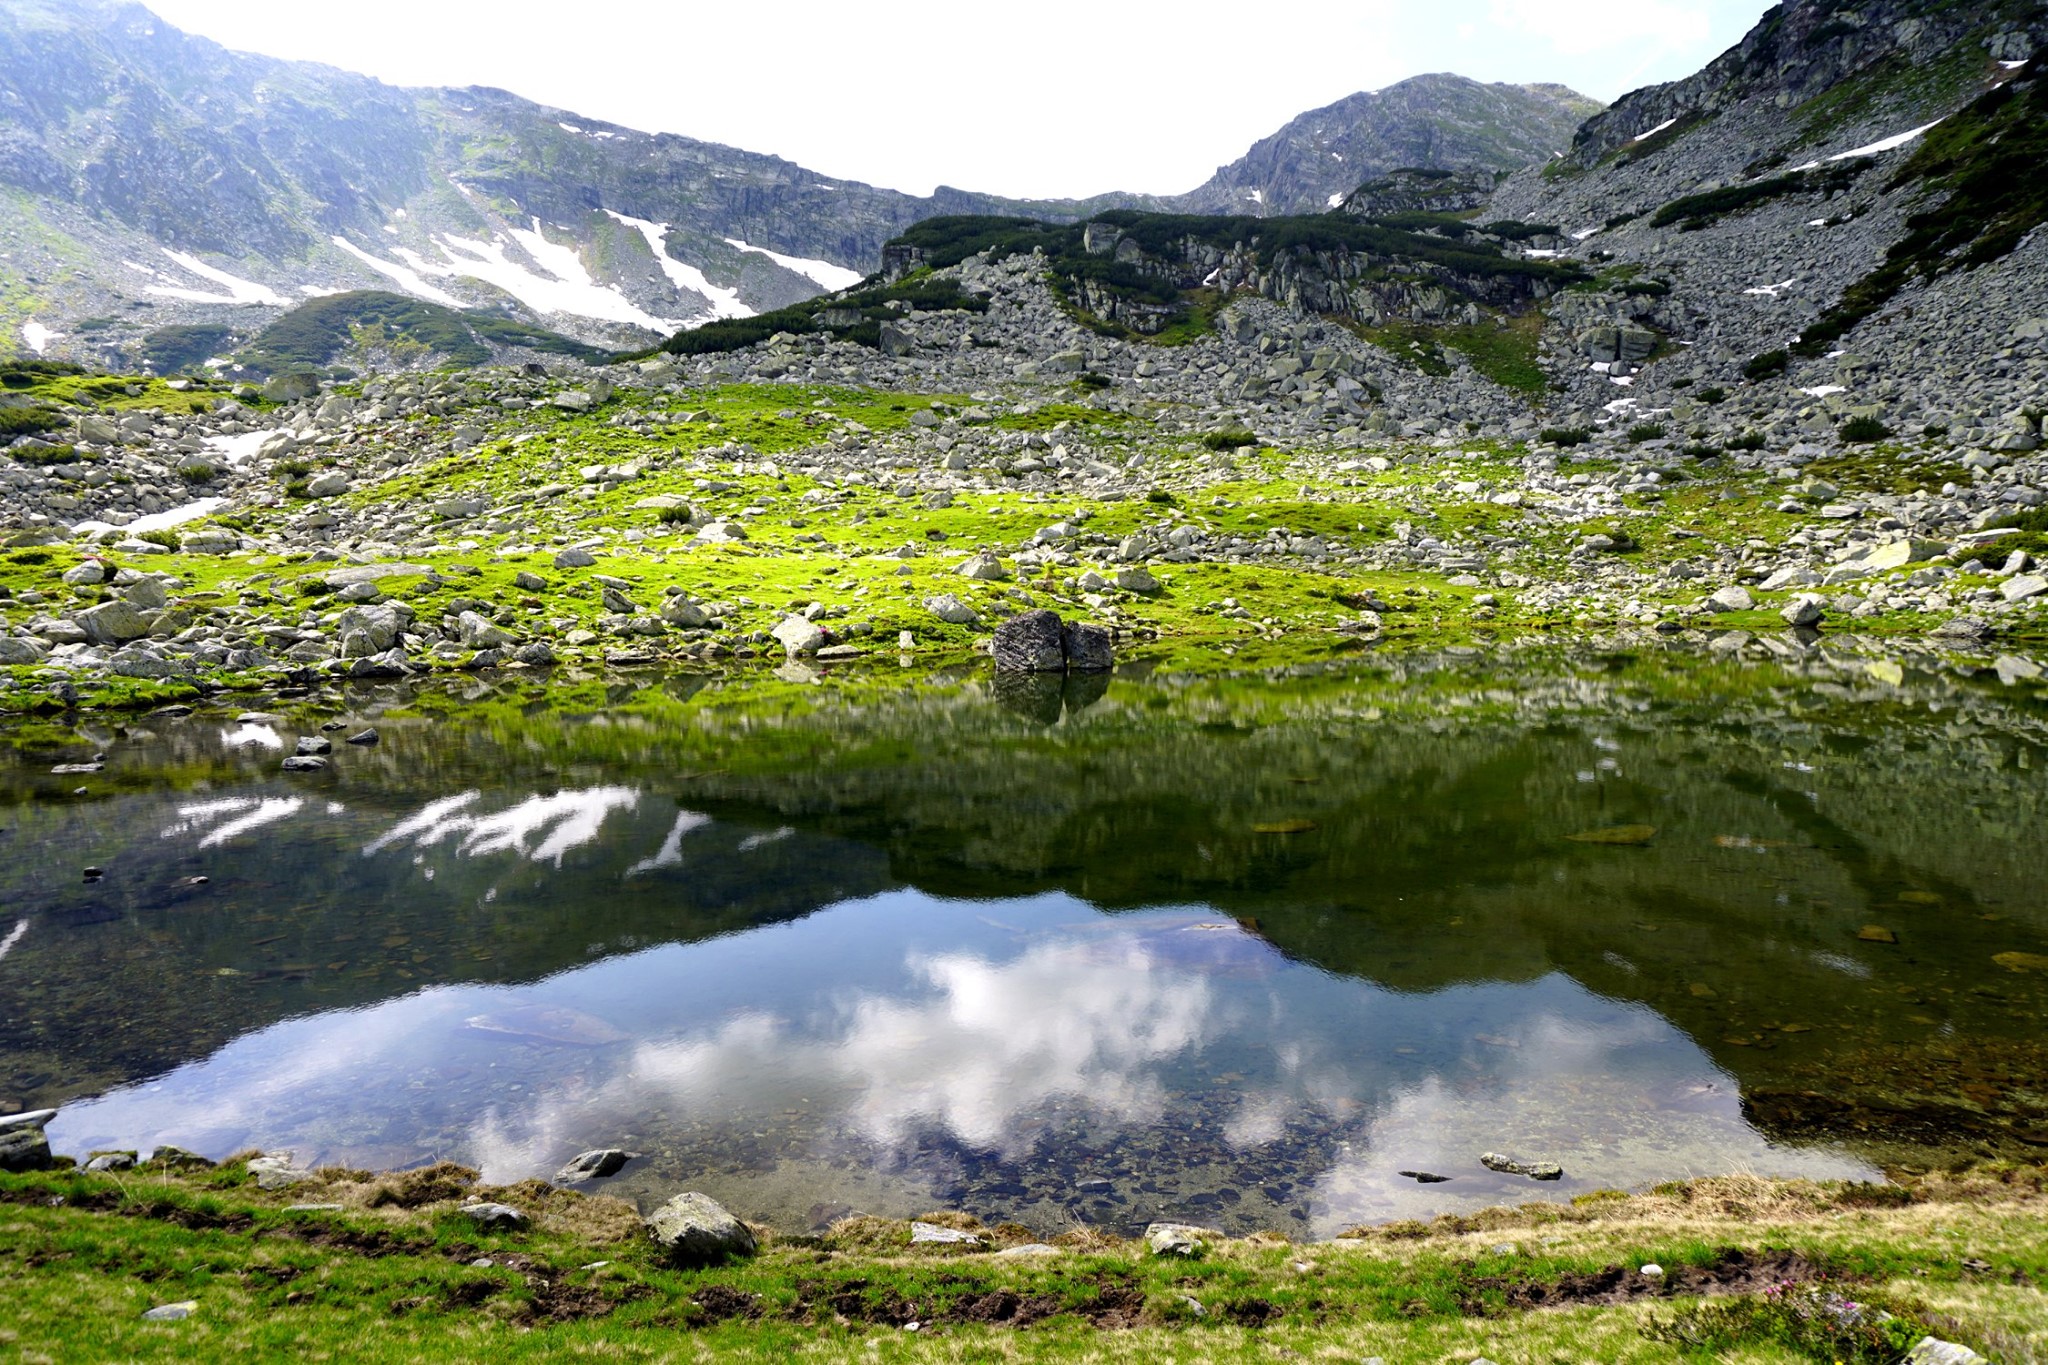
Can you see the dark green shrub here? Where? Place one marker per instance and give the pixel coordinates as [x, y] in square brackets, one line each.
[167, 539]
[1091, 380]
[1160, 496]
[29, 421]
[199, 471]
[1229, 440]
[1646, 431]
[48, 455]
[1748, 440]
[1564, 436]
[1863, 430]
[1766, 365]
[1700, 450]
[1712, 394]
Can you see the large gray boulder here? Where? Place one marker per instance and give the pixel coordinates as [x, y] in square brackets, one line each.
[112, 623]
[694, 1230]
[1031, 642]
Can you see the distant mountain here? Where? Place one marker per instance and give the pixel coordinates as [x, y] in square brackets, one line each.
[1439, 122]
[150, 179]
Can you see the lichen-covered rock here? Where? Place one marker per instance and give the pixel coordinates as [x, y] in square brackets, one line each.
[694, 1229]
[1088, 648]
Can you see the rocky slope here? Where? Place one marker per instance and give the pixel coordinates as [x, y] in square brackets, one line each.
[1434, 122]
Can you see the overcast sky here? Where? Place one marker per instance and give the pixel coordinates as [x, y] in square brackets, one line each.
[1052, 98]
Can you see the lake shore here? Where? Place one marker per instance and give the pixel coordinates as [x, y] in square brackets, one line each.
[162, 1262]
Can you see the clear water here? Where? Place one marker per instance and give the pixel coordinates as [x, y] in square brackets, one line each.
[1234, 951]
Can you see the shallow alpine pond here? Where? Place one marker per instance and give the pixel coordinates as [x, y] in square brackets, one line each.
[1253, 952]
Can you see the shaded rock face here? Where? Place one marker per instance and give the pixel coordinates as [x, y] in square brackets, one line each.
[1040, 642]
[1031, 643]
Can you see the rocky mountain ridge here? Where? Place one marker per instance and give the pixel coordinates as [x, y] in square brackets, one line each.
[149, 178]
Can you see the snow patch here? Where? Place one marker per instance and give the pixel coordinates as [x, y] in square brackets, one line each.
[1541, 254]
[38, 336]
[1583, 233]
[565, 287]
[1335, 200]
[1645, 137]
[1887, 144]
[1771, 291]
[238, 289]
[2014, 66]
[240, 448]
[176, 516]
[818, 272]
[405, 279]
[725, 303]
[1257, 196]
[1825, 390]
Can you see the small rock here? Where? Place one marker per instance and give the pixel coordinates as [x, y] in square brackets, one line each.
[313, 744]
[1175, 1239]
[362, 737]
[495, 1217]
[299, 763]
[1935, 1351]
[951, 610]
[693, 1230]
[1802, 612]
[799, 636]
[575, 559]
[110, 1161]
[171, 1312]
[593, 1165]
[24, 1149]
[1734, 597]
[1426, 1177]
[1507, 1165]
[1652, 1271]
[934, 1234]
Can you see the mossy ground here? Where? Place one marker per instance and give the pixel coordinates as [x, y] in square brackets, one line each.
[397, 1273]
[863, 544]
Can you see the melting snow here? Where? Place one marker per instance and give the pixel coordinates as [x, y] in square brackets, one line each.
[1257, 196]
[37, 336]
[405, 279]
[725, 303]
[176, 516]
[13, 937]
[2014, 66]
[1892, 143]
[1584, 233]
[569, 127]
[1539, 254]
[566, 287]
[1771, 291]
[238, 289]
[1645, 137]
[1335, 200]
[821, 272]
[1824, 390]
[237, 449]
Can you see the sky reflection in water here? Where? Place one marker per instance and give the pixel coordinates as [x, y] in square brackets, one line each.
[890, 1051]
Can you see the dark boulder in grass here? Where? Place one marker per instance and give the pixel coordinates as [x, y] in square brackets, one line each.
[24, 1149]
[1088, 648]
[695, 1230]
[1032, 642]
[1039, 642]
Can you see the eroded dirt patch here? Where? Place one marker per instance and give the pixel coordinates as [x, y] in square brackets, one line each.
[1733, 1271]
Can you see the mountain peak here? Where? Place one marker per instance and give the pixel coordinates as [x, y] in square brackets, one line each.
[1435, 121]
